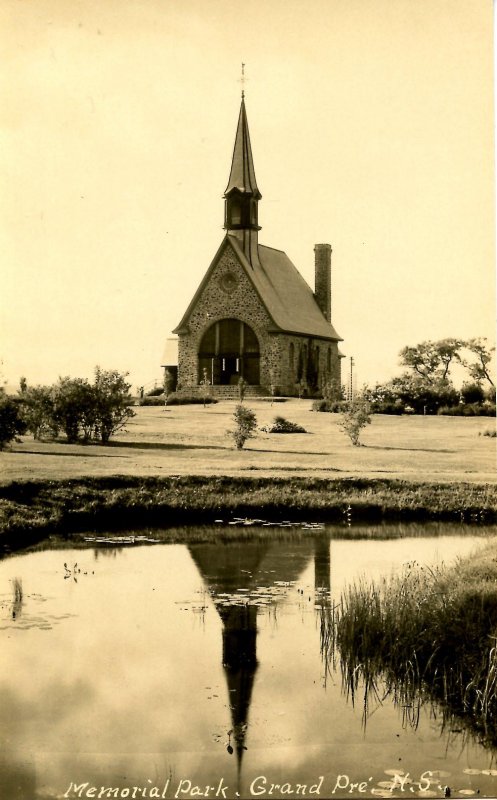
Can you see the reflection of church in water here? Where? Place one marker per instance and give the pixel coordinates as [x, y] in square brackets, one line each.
[240, 567]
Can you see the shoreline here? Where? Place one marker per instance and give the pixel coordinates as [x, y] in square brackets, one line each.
[30, 510]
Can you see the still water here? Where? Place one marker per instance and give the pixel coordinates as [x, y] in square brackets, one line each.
[195, 670]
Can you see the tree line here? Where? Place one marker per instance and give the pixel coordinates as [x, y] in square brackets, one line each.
[426, 385]
[83, 411]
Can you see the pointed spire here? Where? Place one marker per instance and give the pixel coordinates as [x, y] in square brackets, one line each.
[242, 176]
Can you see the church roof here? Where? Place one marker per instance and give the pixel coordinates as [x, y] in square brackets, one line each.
[242, 175]
[286, 296]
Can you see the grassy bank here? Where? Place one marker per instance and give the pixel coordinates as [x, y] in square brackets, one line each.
[427, 634]
[31, 509]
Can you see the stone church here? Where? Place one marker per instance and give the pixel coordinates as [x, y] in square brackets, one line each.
[253, 315]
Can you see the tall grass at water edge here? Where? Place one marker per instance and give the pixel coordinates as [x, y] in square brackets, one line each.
[426, 634]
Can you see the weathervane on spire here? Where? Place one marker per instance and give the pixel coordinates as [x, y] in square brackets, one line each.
[243, 79]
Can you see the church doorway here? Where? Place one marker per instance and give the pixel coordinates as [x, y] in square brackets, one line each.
[229, 350]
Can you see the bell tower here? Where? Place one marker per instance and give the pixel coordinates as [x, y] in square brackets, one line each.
[242, 196]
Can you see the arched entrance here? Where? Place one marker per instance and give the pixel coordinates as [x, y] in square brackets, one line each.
[229, 350]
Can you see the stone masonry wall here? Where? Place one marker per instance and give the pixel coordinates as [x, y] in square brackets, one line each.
[230, 294]
[224, 297]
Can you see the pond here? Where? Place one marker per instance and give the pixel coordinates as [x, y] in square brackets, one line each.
[136, 668]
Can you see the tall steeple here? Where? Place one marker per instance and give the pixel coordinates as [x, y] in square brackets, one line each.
[242, 195]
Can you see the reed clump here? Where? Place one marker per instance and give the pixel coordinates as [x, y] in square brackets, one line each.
[17, 590]
[426, 633]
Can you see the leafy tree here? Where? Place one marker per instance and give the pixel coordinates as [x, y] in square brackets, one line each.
[112, 403]
[37, 411]
[479, 370]
[245, 425]
[432, 360]
[472, 393]
[408, 393]
[74, 408]
[168, 382]
[11, 423]
[355, 418]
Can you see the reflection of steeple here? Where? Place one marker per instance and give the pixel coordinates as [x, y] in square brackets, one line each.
[221, 568]
[240, 664]
[227, 569]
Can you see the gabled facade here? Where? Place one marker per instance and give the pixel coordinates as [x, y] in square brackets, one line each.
[253, 315]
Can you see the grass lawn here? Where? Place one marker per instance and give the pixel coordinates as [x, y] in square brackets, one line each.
[191, 440]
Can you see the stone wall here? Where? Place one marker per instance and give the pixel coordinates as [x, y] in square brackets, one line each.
[229, 293]
[293, 360]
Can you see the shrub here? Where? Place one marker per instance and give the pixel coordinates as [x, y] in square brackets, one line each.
[468, 410]
[246, 423]
[154, 400]
[155, 392]
[112, 403]
[73, 408]
[490, 433]
[472, 393]
[37, 411]
[169, 381]
[355, 418]
[332, 406]
[273, 399]
[410, 392]
[282, 425]
[178, 399]
[11, 423]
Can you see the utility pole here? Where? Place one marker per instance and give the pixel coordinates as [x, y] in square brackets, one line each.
[351, 385]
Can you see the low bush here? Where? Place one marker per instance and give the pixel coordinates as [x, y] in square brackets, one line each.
[468, 410]
[273, 399]
[282, 425]
[11, 423]
[355, 417]
[490, 433]
[153, 400]
[155, 392]
[245, 425]
[177, 399]
[332, 406]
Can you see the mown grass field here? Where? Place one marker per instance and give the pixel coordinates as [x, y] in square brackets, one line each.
[191, 440]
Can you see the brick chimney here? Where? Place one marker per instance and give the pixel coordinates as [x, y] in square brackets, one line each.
[322, 282]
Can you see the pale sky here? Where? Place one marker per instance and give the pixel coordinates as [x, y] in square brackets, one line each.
[372, 129]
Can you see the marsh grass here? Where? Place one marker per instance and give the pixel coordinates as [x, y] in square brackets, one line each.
[17, 590]
[428, 634]
[17, 599]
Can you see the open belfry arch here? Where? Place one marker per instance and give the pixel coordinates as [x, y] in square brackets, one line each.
[253, 315]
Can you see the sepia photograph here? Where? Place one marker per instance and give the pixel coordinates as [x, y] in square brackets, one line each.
[248, 485]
